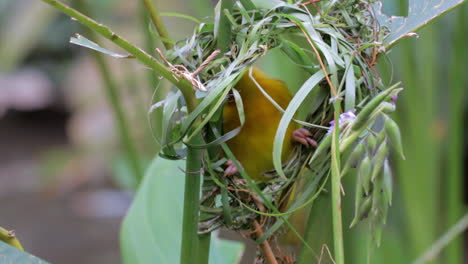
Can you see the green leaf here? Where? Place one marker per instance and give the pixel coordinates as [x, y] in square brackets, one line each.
[9, 254]
[267, 4]
[84, 42]
[350, 90]
[420, 13]
[248, 5]
[298, 56]
[297, 100]
[222, 25]
[152, 230]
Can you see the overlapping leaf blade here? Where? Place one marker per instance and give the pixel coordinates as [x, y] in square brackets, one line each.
[151, 231]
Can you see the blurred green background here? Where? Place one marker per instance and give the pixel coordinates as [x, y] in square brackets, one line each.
[65, 172]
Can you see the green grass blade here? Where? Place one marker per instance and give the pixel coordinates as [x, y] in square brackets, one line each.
[295, 103]
[338, 251]
[223, 25]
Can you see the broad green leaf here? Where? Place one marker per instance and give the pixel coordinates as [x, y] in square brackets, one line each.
[9, 254]
[420, 13]
[152, 230]
[84, 42]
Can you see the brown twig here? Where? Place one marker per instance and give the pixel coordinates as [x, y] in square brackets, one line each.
[313, 2]
[181, 71]
[206, 62]
[265, 246]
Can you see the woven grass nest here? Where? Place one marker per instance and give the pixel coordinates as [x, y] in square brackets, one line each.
[335, 43]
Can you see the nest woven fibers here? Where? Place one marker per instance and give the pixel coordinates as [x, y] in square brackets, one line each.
[336, 43]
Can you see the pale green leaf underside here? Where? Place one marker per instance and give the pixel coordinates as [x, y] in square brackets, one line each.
[84, 42]
[420, 13]
[151, 231]
[9, 254]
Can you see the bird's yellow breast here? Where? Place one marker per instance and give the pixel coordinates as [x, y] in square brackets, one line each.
[253, 146]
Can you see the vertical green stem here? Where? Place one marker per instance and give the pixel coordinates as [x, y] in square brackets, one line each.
[156, 87]
[114, 99]
[190, 240]
[150, 45]
[158, 23]
[336, 189]
[455, 137]
[194, 248]
[204, 248]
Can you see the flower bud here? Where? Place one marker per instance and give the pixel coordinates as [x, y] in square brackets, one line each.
[369, 108]
[393, 132]
[378, 160]
[353, 159]
[365, 170]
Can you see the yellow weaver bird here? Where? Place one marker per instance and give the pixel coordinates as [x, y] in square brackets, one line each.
[253, 146]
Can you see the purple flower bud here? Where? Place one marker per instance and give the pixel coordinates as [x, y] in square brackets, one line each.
[345, 118]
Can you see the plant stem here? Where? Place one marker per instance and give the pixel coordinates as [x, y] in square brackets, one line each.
[443, 241]
[10, 238]
[336, 189]
[194, 248]
[190, 240]
[158, 23]
[112, 92]
[204, 248]
[155, 87]
[266, 248]
[150, 46]
[184, 86]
